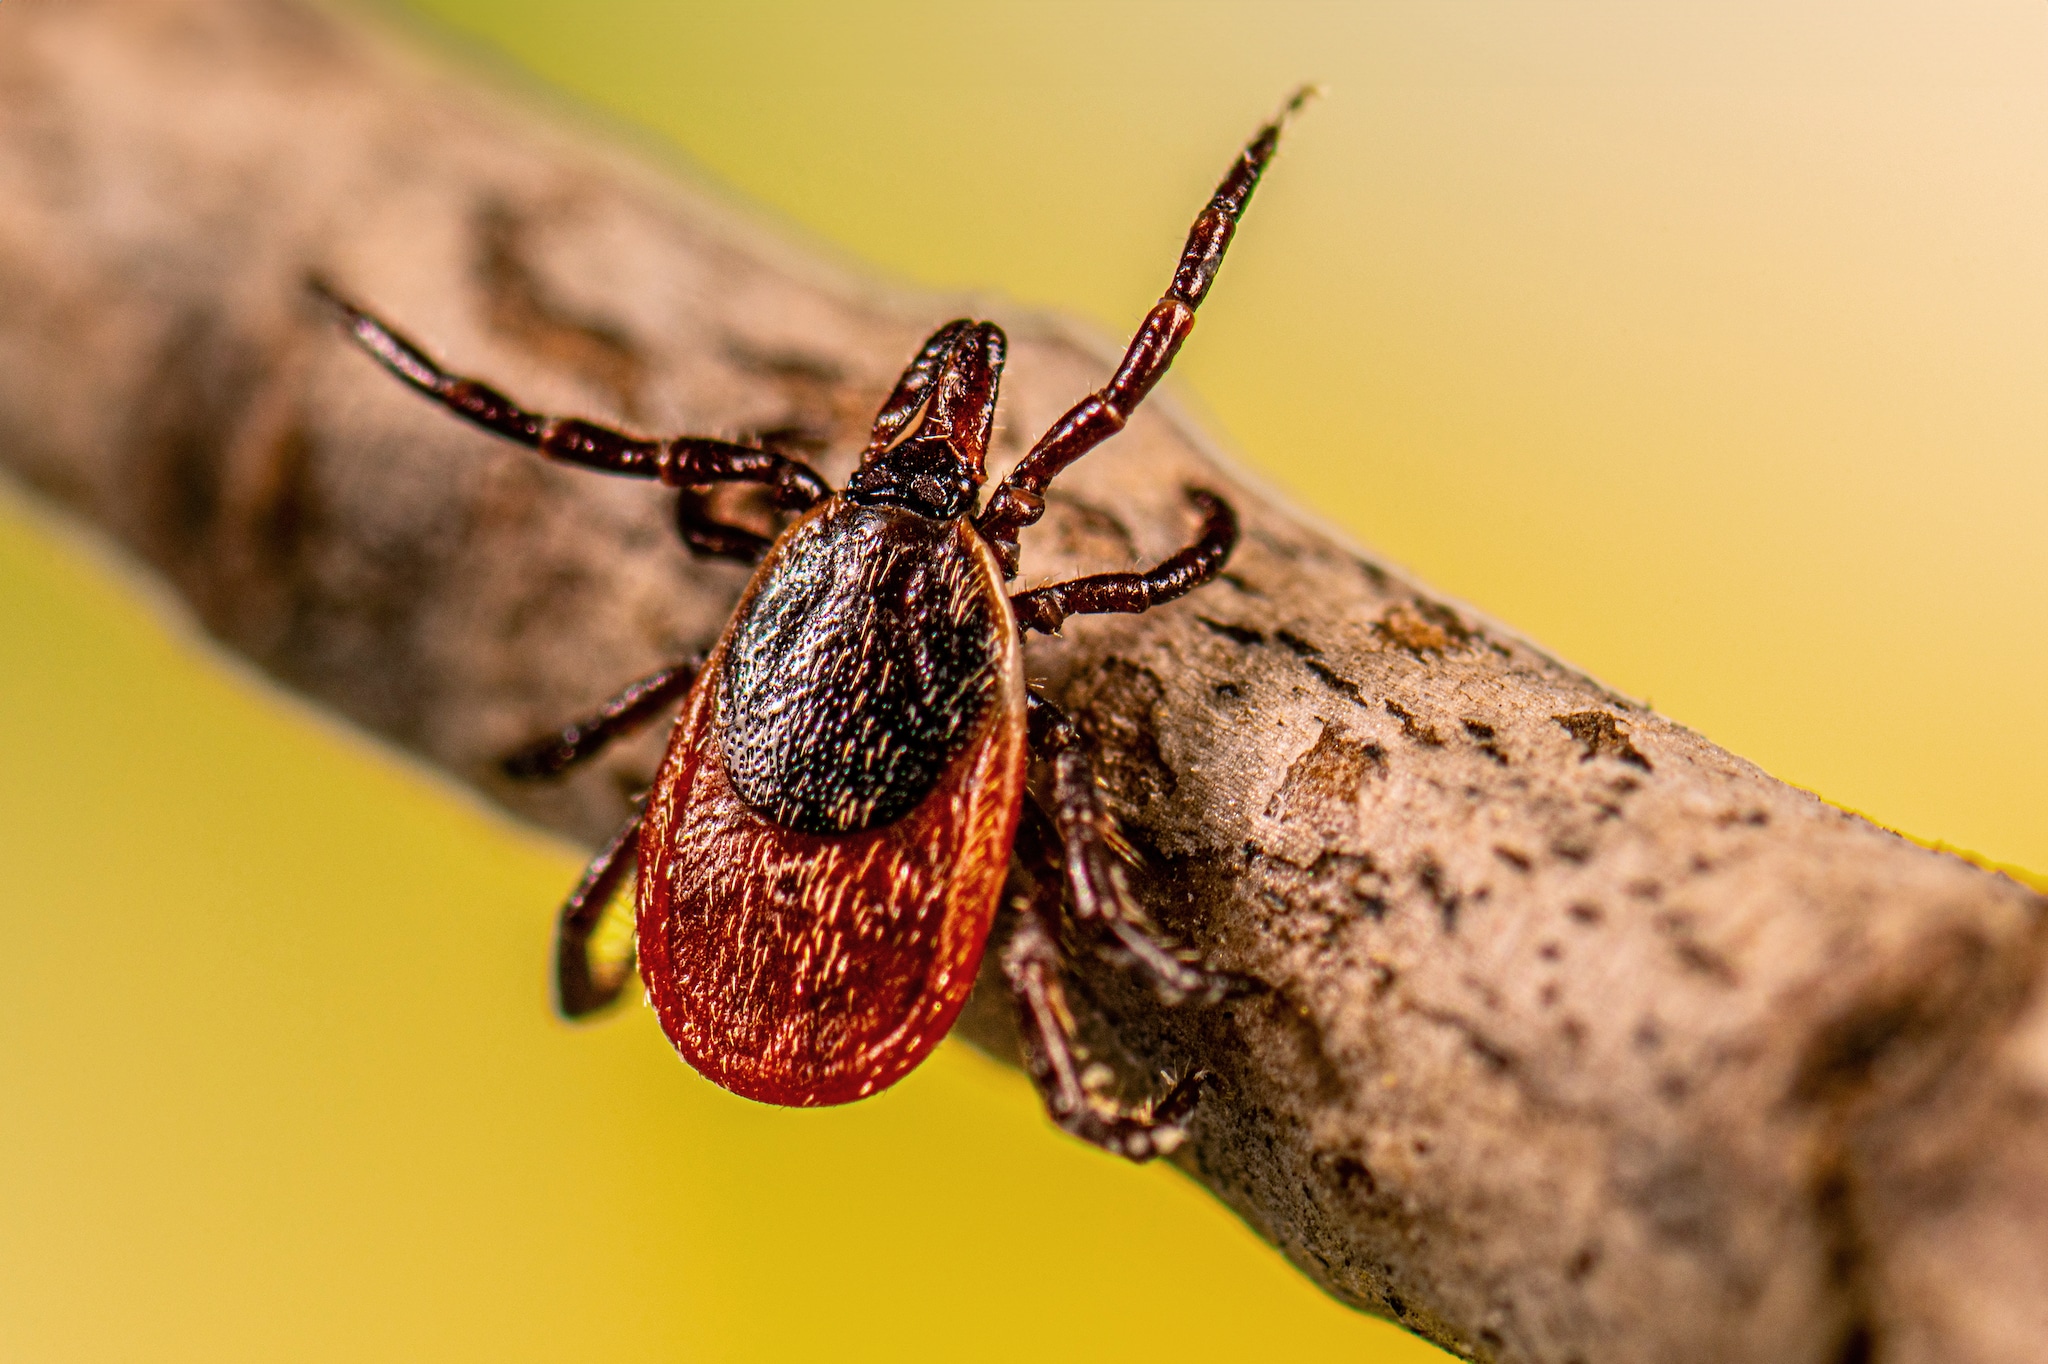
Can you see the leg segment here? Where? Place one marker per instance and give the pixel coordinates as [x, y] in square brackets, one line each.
[1084, 831]
[1032, 963]
[631, 708]
[1020, 499]
[705, 534]
[581, 989]
[684, 461]
[1045, 608]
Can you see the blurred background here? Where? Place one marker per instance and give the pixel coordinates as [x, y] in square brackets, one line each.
[1705, 343]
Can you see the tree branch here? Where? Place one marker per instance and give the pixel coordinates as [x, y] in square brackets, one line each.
[1585, 1040]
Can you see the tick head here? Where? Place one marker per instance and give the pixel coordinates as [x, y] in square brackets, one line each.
[930, 444]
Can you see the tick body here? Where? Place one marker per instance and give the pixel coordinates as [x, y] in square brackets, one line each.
[826, 845]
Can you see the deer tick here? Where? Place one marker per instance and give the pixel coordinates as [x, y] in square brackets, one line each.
[826, 844]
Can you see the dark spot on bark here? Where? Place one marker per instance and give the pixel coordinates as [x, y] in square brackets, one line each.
[1548, 995]
[1582, 1263]
[1582, 912]
[1412, 727]
[1601, 734]
[1317, 904]
[1679, 1198]
[1703, 960]
[1352, 1173]
[1236, 634]
[1644, 889]
[1483, 734]
[1430, 874]
[186, 418]
[1395, 1305]
[284, 513]
[1859, 1344]
[519, 307]
[1384, 978]
[1694, 955]
[1301, 647]
[1833, 1198]
[1673, 1087]
[1572, 851]
[1519, 861]
[1374, 574]
[1229, 691]
[1834, 1207]
[1573, 1031]
[1550, 951]
[1334, 680]
[1649, 1035]
[1491, 1338]
[1927, 1012]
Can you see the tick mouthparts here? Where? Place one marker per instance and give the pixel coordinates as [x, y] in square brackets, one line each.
[933, 458]
[963, 407]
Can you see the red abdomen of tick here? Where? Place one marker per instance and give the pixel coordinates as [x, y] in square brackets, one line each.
[827, 839]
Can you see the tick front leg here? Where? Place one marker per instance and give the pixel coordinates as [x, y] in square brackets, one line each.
[1019, 500]
[631, 708]
[1033, 964]
[1085, 833]
[683, 461]
[1045, 608]
[582, 987]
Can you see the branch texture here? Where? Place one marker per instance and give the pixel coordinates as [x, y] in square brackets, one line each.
[1585, 1040]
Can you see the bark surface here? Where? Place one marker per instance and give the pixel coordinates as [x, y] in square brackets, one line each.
[1585, 1040]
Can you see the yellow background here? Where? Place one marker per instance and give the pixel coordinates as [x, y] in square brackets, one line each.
[1705, 343]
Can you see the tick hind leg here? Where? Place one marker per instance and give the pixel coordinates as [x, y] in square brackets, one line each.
[583, 985]
[585, 738]
[1090, 853]
[686, 462]
[1045, 608]
[1035, 967]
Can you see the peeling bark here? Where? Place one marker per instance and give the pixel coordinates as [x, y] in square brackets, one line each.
[1585, 1040]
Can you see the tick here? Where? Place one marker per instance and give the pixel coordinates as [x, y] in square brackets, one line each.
[825, 847]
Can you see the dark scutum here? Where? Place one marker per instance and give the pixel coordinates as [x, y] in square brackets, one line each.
[858, 670]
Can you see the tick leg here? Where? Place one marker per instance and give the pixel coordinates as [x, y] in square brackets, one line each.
[1085, 832]
[580, 989]
[684, 461]
[1033, 964]
[1043, 609]
[712, 538]
[631, 708]
[1020, 499]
